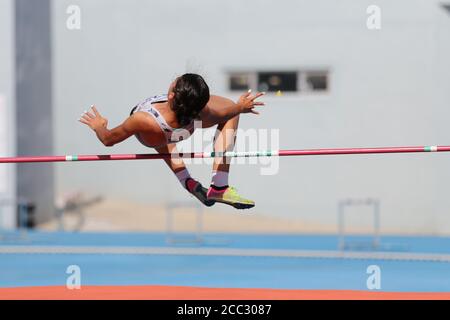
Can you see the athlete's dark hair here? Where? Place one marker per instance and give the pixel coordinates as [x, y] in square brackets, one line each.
[191, 96]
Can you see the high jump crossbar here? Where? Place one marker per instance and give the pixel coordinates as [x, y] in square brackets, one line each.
[229, 154]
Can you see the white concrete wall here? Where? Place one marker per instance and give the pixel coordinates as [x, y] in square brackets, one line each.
[383, 92]
[7, 129]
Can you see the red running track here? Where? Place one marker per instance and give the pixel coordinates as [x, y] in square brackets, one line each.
[196, 293]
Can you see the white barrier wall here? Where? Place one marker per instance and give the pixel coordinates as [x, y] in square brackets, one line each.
[388, 87]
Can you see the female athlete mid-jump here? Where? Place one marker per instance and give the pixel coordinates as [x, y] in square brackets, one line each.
[161, 121]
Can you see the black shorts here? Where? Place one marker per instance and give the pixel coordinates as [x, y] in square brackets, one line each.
[132, 110]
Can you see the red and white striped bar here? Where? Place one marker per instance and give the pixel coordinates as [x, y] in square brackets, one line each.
[270, 153]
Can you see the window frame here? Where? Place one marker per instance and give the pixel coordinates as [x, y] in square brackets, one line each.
[302, 76]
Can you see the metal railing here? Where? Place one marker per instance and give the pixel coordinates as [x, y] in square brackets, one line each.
[343, 205]
[22, 221]
[174, 237]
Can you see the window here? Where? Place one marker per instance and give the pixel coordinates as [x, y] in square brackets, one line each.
[303, 81]
[316, 81]
[277, 81]
[239, 81]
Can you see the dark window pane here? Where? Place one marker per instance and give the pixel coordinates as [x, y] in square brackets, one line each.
[317, 82]
[277, 81]
[239, 82]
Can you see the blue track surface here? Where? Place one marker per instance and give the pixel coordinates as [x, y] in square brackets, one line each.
[18, 270]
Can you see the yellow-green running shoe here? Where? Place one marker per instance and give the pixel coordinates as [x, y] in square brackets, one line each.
[229, 196]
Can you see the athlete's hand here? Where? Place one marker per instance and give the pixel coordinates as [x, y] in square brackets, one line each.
[93, 119]
[247, 102]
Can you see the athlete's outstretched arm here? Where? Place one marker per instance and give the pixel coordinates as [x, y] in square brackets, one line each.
[99, 124]
[220, 109]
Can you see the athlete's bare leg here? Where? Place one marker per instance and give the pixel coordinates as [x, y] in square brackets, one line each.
[225, 139]
[178, 167]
